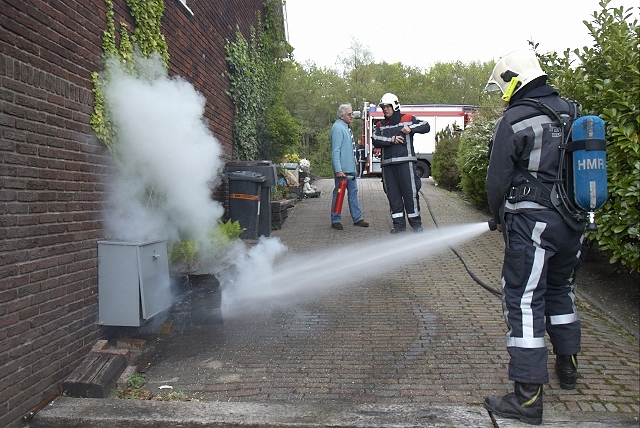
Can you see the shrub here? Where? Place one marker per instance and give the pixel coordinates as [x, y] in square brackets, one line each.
[606, 84]
[472, 160]
[321, 157]
[187, 251]
[182, 252]
[443, 166]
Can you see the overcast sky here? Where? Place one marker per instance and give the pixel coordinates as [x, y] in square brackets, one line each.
[422, 32]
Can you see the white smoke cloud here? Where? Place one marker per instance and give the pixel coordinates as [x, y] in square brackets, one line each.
[168, 159]
[251, 274]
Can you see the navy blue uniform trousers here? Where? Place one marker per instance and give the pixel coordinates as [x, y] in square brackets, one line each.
[402, 186]
[541, 252]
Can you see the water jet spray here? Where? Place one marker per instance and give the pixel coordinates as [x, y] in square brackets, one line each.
[256, 284]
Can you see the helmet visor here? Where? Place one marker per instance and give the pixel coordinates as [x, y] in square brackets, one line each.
[492, 87]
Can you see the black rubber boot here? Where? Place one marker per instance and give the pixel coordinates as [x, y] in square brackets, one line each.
[524, 403]
[567, 370]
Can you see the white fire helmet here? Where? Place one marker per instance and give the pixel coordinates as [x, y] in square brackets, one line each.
[514, 71]
[389, 99]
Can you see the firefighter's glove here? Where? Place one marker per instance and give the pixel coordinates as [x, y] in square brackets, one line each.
[495, 226]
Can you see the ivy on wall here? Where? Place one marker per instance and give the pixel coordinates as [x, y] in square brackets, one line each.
[147, 35]
[263, 128]
[147, 39]
[248, 90]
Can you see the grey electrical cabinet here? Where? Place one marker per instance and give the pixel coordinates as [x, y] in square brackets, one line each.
[133, 282]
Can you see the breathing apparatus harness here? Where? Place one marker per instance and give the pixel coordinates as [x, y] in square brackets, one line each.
[571, 182]
[580, 185]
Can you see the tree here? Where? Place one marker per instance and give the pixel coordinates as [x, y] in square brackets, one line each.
[458, 83]
[357, 73]
[312, 94]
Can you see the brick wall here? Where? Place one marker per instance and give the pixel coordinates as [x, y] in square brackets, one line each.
[53, 170]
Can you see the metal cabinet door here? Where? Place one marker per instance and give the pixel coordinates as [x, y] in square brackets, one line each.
[155, 290]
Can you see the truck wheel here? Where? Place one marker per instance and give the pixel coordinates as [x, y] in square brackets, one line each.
[423, 170]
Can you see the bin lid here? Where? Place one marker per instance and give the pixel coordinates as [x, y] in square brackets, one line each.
[265, 168]
[249, 163]
[246, 176]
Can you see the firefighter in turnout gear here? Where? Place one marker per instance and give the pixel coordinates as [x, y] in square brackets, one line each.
[541, 249]
[394, 135]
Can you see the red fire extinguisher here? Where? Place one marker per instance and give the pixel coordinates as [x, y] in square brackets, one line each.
[342, 189]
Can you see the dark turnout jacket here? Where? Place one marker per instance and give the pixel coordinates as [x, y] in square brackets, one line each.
[386, 129]
[527, 136]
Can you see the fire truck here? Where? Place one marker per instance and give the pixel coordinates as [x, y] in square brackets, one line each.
[439, 116]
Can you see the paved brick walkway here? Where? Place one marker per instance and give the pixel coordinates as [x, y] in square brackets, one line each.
[423, 333]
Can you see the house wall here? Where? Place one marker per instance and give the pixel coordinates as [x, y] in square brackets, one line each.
[53, 172]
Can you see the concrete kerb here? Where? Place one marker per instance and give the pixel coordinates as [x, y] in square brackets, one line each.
[107, 413]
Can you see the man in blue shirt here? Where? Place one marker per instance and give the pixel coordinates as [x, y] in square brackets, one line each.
[343, 162]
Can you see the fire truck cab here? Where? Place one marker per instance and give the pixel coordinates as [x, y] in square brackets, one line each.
[439, 116]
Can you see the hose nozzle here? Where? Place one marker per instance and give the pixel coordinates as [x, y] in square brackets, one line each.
[492, 224]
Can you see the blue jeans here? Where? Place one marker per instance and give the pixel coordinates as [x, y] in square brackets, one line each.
[352, 198]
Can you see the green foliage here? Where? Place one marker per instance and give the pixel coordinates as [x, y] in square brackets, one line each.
[292, 157]
[135, 394]
[183, 252]
[282, 132]
[147, 35]
[472, 157]
[173, 396]
[320, 157]
[222, 236]
[247, 78]
[279, 192]
[263, 127]
[134, 389]
[456, 83]
[444, 83]
[606, 82]
[126, 49]
[100, 122]
[229, 230]
[136, 380]
[148, 40]
[109, 35]
[313, 94]
[443, 166]
[187, 251]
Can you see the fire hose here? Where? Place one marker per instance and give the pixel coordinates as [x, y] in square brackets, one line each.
[492, 226]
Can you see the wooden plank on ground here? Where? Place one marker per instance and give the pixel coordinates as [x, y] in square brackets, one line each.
[96, 375]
